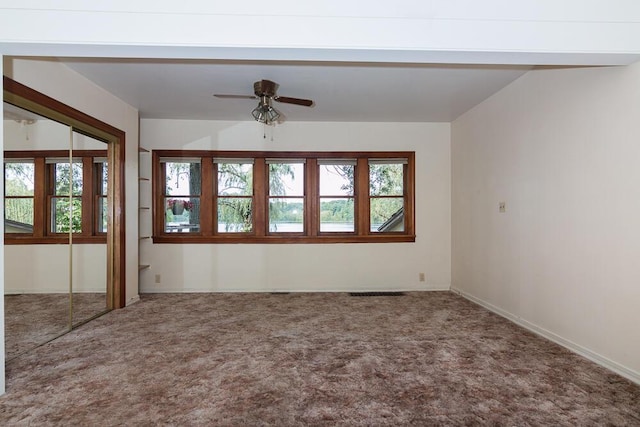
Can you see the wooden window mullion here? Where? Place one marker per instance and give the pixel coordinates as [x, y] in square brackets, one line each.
[409, 195]
[312, 203]
[40, 217]
[208, 187]
[159, 179]
[260, 197]
[362, 196]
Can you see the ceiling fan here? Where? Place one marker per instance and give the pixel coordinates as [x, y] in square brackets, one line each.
[265, 92]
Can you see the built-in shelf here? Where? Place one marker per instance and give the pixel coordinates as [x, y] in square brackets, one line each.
[143, 240]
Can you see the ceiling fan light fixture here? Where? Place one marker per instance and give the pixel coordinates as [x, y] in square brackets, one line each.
[265, 113]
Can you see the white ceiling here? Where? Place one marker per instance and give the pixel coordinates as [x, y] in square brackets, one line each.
[342, 91]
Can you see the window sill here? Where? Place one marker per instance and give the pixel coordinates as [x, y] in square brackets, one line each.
[386, 238]
[53, 240]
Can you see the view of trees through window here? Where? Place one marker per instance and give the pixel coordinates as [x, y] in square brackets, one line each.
[337, 201]
[18, 187]
[67, 215]
[103, 176]
[182, 195]
[235, 196]
[386, 191]
[286, 196]
[65, 190]
[287, 204]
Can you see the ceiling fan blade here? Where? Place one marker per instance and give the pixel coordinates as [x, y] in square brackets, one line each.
[217, 95]
[297, 101]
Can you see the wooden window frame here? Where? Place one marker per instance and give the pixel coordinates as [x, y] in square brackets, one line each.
[44, 192]
[260, 233]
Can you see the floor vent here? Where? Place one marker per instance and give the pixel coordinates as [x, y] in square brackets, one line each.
[279, 293]
[376, 294]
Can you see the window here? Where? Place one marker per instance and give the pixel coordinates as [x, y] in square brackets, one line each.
[181, 196]
[386, 194]
[19, 181]
[283, 197]
[286, 196]
[46, 196]
[101, 167]
[234, 190]
[65, 199]
[337, 195]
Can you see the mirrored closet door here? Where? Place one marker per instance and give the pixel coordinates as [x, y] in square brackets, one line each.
[56, 225]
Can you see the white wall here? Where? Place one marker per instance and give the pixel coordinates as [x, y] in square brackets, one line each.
[48, 268]
[561, 148]
[45, 134]
[311, 267]
[61, 83]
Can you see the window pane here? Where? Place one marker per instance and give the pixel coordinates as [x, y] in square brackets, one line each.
[234, 214]
[62, 181]
[182, 214]
[286, 215]
[102, 215]
[104, 178]
[386, 179]
[18, 215]
[19, 179]
[61, 213]
[336, 180]
[387, 214]
[286, 179]
[337, 215]
[183, 179]
[235, 179]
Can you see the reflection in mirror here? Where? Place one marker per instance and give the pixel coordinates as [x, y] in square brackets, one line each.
[36, 276]
[89, 175]
[19, 182]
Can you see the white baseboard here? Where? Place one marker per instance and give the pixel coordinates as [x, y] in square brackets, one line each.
[429, 288]
[133, 300]
[605, 362]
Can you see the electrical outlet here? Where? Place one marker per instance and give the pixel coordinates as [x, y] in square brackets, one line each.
[502, 207]
[421, 277]
[157, 278]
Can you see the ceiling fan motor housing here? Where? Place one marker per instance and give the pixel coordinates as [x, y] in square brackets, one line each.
[265, 88]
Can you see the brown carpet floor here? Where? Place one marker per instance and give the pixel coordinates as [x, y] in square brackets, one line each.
[429, 358]
[33, 319]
